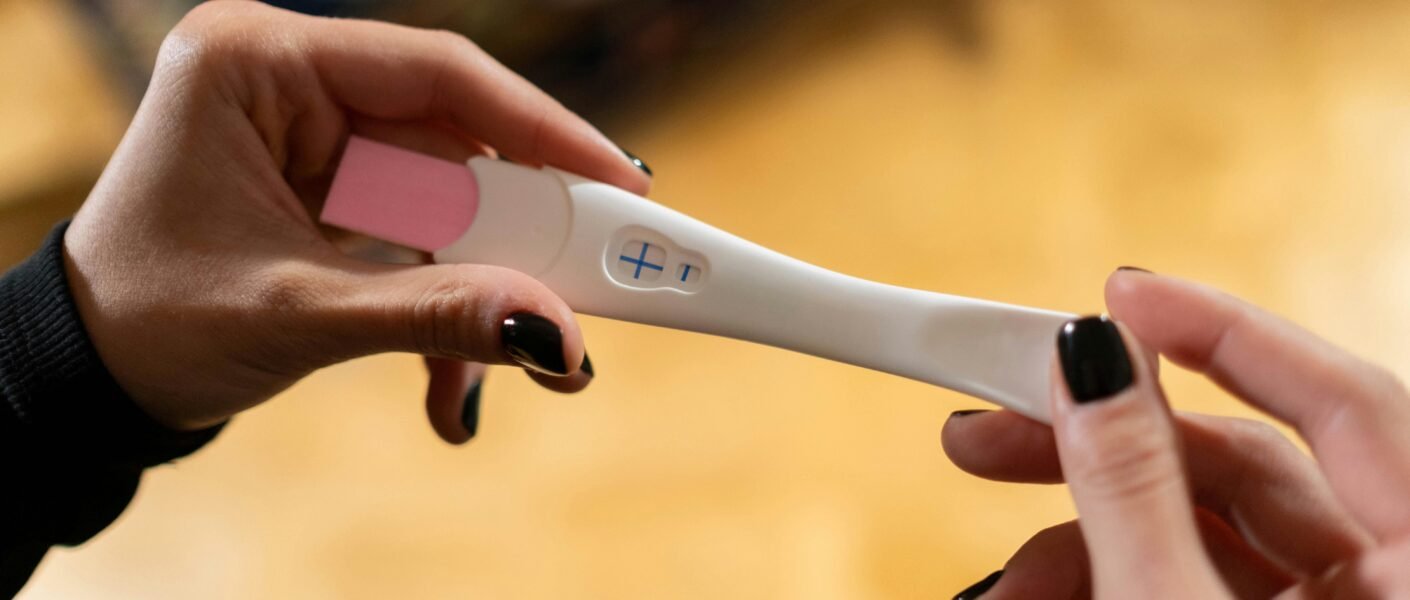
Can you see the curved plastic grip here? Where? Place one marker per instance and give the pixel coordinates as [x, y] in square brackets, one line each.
[614, 254]
[628, 258]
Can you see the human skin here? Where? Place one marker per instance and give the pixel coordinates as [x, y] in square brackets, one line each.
[198, 266]
[207, 287]
[1177, 505]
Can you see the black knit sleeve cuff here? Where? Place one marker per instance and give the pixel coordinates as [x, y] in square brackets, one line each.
[60, 397]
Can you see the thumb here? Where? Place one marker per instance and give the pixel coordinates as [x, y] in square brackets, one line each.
[1120, 455]
[474, 313]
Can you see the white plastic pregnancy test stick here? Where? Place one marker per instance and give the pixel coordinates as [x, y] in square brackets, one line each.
[611, 253]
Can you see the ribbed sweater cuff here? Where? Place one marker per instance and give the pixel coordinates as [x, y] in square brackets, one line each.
[61, 397]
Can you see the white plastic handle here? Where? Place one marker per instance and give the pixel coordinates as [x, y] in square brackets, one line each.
[624, 257]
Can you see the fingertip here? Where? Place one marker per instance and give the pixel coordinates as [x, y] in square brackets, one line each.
[1051, 564]
[1094, 358]
[1001, 445]
[532, 326]
[571, 384]
[1100, 362]
[581, 148]
[1171, 316]
[452, 393]
[955, 432]
[1119, 451]
[639, 184]
[953, 439]
[575, 381]
[642, 179]
[624, 170]
[981, 587]
[1144, 361]
[1122, 290]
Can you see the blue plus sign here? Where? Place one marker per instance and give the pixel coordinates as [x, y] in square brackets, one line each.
[640, 261]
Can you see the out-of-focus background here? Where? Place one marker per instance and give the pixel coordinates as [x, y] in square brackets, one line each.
[1004, 149]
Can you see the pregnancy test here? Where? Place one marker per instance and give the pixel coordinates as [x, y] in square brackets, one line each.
[608, 252]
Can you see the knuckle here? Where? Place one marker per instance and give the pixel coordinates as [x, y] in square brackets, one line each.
[1258, 436]
[212, 37]
[1136, 473]
[444, 317]
[192, 52]
[289, 290]
[185, 49]
[1252, 449]
[1055, 537]
[203, 28]
[1126, 458]
[454, 42]
[458, 313]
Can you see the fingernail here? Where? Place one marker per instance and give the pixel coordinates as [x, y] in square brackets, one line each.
[1131, 268]
[637, 162]
[1094, 359]
[587, 366]
[966, 413]
[974, 591]
[534, 342]
[470, 412]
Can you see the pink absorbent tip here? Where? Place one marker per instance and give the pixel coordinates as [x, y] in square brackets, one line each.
[401, 196]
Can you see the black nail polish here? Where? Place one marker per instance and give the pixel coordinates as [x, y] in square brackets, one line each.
[470, 413]
[534, 342]
[966, 413]
[1094, 359]
[637, 162]
[587, 366]
[974, 591]
[1131, 268]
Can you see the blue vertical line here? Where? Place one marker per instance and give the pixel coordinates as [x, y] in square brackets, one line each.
[685, 273]
[641, 260]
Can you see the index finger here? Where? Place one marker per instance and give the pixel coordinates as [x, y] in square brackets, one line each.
[318, 66]
[391, 71]
[1353, 414]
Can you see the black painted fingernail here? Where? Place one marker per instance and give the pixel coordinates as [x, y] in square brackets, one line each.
[534, 342]
[637, 162]
[1094, 359]
[966, 413]
[470, 413]
[587, 366]
[974, 591]
[1136, 269]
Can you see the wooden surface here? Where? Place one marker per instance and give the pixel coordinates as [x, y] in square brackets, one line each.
[1259, 146]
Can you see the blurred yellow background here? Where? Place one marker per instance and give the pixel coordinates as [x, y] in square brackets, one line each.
[1260, 146]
